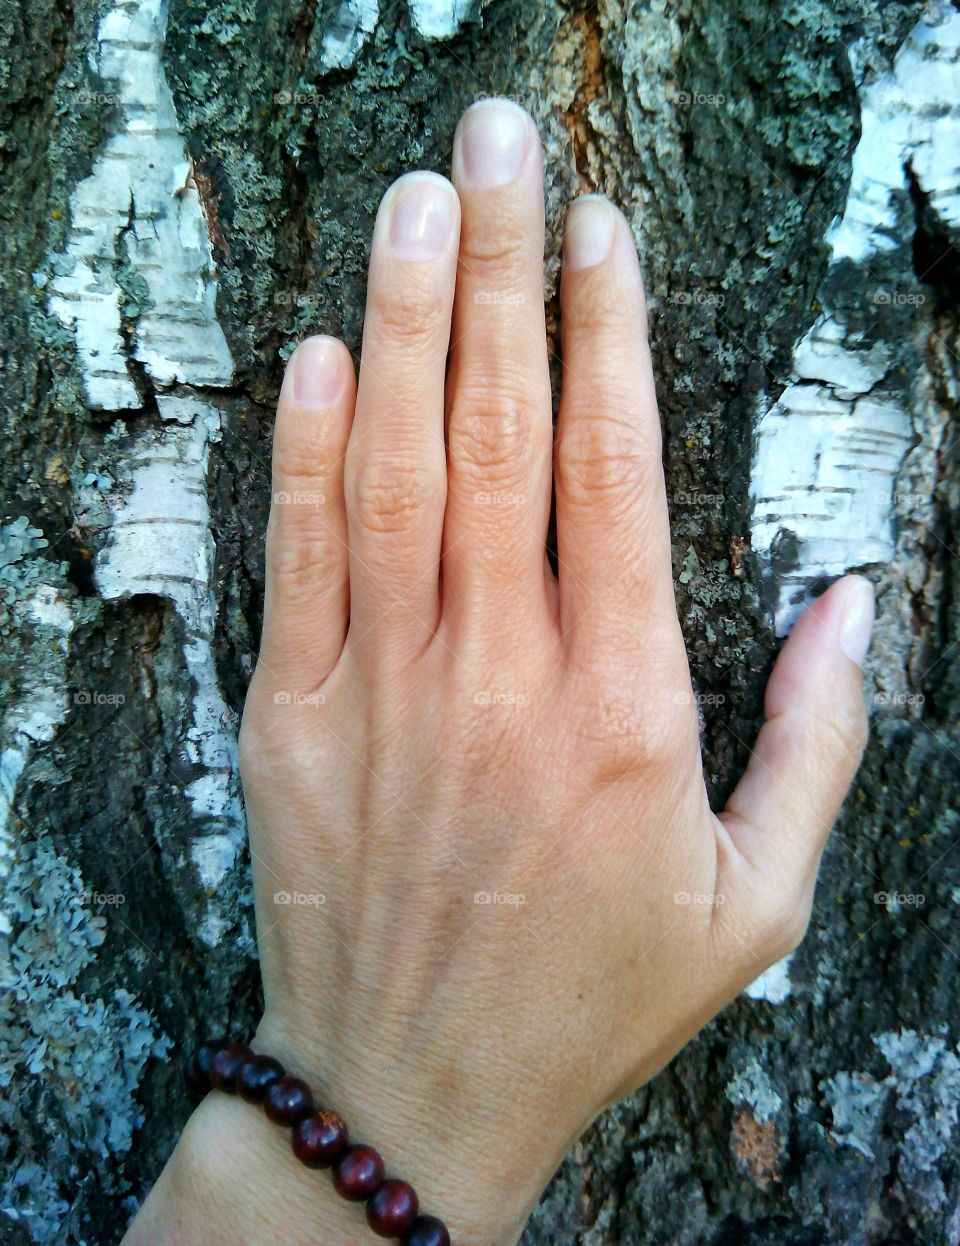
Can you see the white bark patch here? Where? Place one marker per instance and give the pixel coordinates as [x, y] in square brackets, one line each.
[439, 19]
[829, 450]
[135, 200]
[774, 984]
[354, 23]
[137, 222]
[160, 543]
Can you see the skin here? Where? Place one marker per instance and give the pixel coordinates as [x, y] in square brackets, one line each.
[487, 778]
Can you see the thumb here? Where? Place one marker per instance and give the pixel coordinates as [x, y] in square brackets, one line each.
[805, 757]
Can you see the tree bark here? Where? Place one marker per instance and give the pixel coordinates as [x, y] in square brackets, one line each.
[189, 189]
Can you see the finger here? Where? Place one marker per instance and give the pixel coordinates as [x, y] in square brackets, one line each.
[499, 423]
[804, 760]
[307, 593]
[395, 479]
[613, 536]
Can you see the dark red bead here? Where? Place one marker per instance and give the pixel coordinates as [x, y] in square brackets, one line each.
[255, 1075]
[393, 1209]
[287, 1100]
[358, 1173]
[225, 1065]
[320, 1139]
[426, 1231]
[197, 1073]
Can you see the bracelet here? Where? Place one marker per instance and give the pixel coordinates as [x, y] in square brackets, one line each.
[320, 1138]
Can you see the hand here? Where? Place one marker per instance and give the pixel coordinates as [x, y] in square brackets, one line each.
[480, 784]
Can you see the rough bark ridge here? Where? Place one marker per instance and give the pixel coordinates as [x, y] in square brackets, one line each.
[187, 190]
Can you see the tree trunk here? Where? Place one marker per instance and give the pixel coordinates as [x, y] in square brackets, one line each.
[187, 190]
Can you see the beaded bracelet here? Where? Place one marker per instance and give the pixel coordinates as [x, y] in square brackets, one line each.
[319, 1139]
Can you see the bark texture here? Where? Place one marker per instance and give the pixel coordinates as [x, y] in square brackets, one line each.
[187, 190]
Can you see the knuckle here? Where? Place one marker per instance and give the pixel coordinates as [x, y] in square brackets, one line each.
[600, 312]
[302, 561]
[492, 431]
[839, 734]
[601, 455]
[393, 496]
[410, 313]
[304, 462]
[627, 730]
[488, 253]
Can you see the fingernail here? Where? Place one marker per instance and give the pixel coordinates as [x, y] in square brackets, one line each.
[317, 371]
[421, 217]
[588, 236]
[493, 139]
[857, 624]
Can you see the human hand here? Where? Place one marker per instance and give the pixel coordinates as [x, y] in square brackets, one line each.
[485, 780]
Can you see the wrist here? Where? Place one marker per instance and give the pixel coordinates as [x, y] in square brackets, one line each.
[233, 1177]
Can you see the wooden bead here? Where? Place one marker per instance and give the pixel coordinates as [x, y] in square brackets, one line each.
[358, 1173]
[197, 1074]
[320, 1139]
[255, 1075]
[287, 1101]
[225, 1065]
[426, 1231]
[393, 1209]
